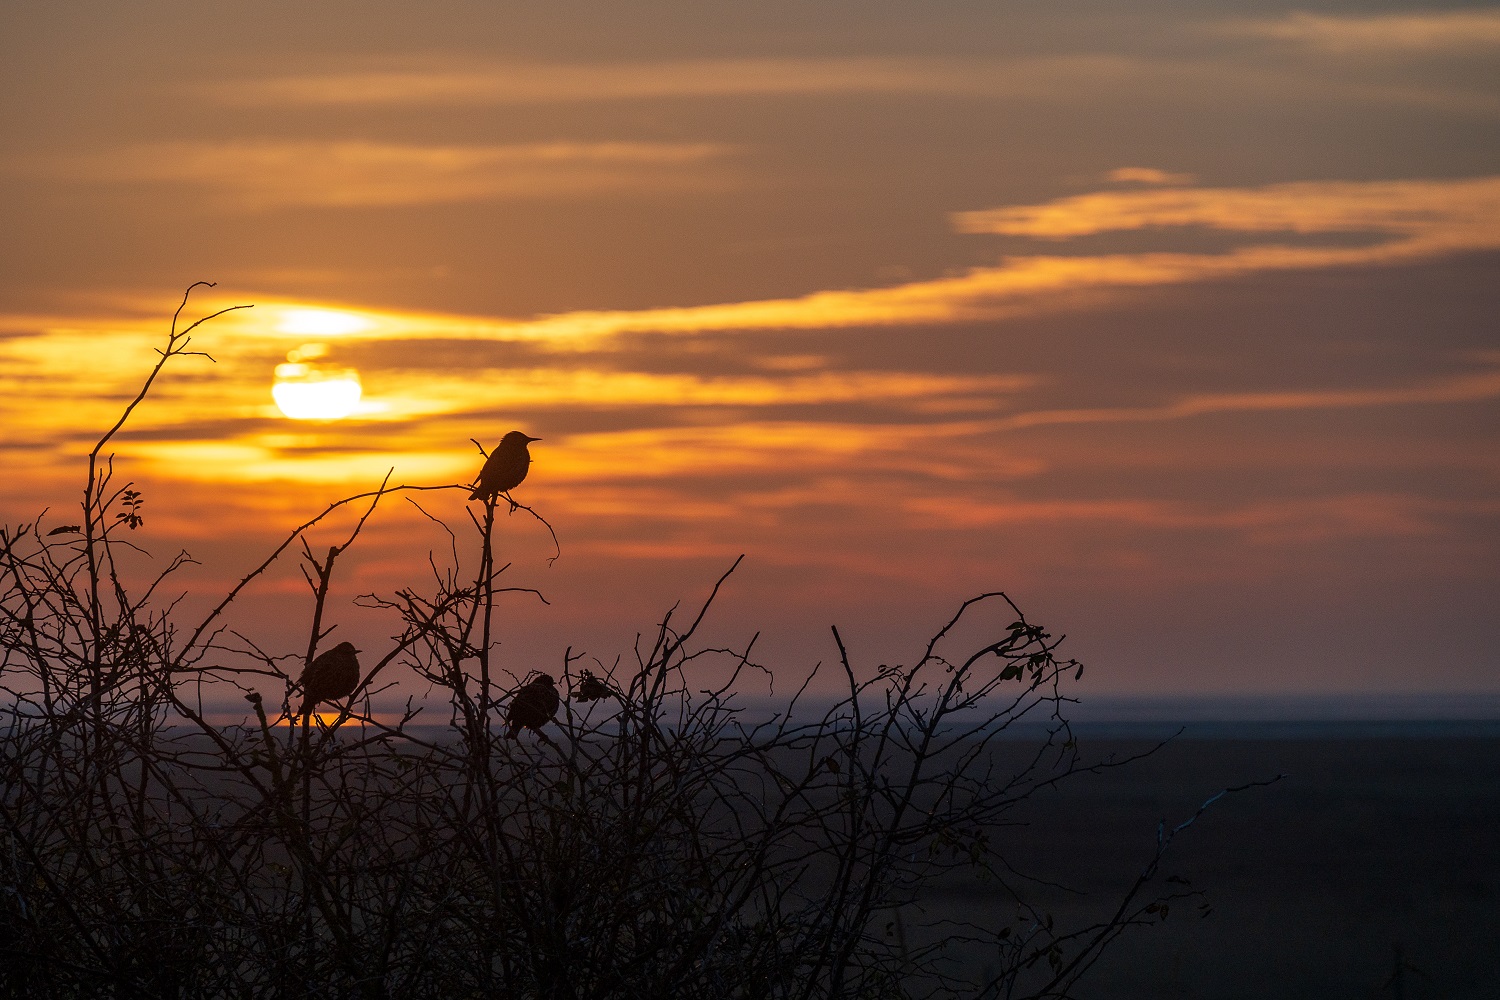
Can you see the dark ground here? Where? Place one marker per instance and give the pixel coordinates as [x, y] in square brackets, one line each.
[1368, 849]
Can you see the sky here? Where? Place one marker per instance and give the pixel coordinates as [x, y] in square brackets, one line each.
[1176, 324]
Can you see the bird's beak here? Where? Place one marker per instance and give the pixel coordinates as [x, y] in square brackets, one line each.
[533, 439]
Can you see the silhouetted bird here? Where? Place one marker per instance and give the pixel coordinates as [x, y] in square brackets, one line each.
[591, 688]
[334, 674]
[505, 468]
[533, 706]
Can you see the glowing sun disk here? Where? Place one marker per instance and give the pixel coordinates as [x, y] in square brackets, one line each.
[305, 393]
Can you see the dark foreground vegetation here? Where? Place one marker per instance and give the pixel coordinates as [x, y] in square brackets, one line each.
[654, 840]
[1371, 872]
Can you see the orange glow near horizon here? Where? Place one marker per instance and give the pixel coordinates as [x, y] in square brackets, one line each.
[1182, 323]
[321, 322]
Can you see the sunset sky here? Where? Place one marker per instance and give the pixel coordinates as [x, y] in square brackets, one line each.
[1178, 323]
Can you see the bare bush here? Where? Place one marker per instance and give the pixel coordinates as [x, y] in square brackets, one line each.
[658, 840]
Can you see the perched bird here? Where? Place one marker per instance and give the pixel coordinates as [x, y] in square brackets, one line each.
[505, 468]
[334, 674]
[533, 706]
[591, 688]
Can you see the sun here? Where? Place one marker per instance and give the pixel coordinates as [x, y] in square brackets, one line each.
[329, 399]
[306, 390]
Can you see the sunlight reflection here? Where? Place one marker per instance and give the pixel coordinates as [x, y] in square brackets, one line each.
[322, 322]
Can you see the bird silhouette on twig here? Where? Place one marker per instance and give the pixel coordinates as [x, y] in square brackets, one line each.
[591, 688]
[533, 706]
[334, 674]
[505, 468]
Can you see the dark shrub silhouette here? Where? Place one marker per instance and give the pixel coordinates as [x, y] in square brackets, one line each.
[648, 837]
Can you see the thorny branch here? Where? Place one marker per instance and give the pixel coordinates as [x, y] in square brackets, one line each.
[658, 838]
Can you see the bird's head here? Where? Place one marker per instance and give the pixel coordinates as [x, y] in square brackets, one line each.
[346, 648]
[544, 679]
[516, 439]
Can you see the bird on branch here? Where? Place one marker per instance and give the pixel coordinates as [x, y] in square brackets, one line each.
[505, 468]
[334, 674]
[533, 706]
[591, 688]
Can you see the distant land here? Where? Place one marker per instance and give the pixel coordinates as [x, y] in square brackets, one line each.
[1246, 717]
[1366, 716]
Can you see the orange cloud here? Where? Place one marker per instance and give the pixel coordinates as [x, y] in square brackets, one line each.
[783, 447]
[270, 173]
[1428, 216]
[1147, 175]
[1416, 220]
[1420, 220]
[1455, 389]
[534, 389]
[1438, 31]
[530, 83]
[1363, 515]
[776, 449]
[1044, 80]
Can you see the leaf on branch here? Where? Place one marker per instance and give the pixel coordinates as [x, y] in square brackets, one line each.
[66, 529]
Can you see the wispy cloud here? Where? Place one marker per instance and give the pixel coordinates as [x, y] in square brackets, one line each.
[535, 83]
[1045, 80]
[1468, 388]
[1361, 515]
[1424, 216]
[271, 173]
[1147, 175]
[541, 388]
[1450, 31]
[765, 450]
[1418, 220]
[1409, 221]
